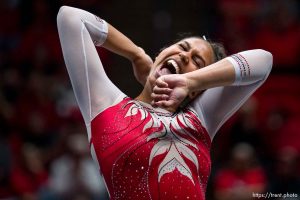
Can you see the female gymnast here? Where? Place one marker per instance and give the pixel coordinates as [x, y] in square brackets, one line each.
[152, 147]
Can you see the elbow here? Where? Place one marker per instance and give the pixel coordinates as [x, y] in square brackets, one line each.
[267, 59]
[65, 16]
[264, 59]
[62, 13]
[259, 64]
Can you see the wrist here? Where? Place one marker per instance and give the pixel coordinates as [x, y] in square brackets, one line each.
[194, 86]
[190, 83]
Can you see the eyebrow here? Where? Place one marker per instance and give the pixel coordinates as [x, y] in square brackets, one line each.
[200, 57]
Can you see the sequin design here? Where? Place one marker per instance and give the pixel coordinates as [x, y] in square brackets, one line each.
[146, 154]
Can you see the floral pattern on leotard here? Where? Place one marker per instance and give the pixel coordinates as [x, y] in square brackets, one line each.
[147, 154]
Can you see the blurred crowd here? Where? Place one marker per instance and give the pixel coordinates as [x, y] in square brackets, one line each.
[44, 152]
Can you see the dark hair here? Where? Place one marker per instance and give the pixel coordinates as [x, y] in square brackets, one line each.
[218, 49]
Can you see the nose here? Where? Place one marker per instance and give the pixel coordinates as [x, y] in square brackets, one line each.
[184, 57]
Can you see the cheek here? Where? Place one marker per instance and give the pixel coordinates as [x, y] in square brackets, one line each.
[190, 68]
[165, 53]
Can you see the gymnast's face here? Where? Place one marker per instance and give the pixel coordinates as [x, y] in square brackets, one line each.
[182, 57]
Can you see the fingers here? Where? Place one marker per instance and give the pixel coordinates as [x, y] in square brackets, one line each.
[161, 83]
[159, 97]
[166, 94]
[159, 90]
[163, 99]
[166, 104]
[160, 94]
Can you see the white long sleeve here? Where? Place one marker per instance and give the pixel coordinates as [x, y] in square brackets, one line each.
[216, 105]
[79, 32]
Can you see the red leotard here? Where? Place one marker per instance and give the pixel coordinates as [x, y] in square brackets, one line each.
[144, 154]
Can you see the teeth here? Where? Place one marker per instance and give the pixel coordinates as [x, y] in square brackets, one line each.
[174, 64]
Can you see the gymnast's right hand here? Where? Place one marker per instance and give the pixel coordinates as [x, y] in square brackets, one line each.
[142, 64]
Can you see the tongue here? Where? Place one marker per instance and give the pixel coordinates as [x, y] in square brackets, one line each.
[165, 71]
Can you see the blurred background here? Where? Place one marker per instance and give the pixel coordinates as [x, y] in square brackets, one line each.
[43, 145]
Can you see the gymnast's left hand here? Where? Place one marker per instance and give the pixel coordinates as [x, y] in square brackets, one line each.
[142, 64]
[170, 91]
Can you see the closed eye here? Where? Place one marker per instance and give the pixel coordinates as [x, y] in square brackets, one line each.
[198, 62]
[183, 46]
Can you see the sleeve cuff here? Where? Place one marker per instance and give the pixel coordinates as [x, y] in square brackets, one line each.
[238, 76]
[104, 32]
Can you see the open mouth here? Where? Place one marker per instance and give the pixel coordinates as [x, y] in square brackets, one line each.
[169, 67]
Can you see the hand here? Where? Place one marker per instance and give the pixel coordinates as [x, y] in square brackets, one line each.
[170, 91]
[142, 64]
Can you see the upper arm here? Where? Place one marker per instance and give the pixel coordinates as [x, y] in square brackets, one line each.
[216, 105]
[79, 31]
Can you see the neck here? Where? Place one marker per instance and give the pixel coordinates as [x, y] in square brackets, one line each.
[144, 96]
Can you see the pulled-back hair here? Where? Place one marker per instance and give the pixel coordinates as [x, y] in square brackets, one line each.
[219, 50]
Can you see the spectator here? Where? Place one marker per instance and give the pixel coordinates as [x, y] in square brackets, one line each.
[74, 174]
[286, 178]
[242, 177]
[29, 175]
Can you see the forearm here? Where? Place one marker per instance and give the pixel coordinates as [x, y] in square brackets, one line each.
[120, 44]
[243, 68]
[105, 35]
[218, 74]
